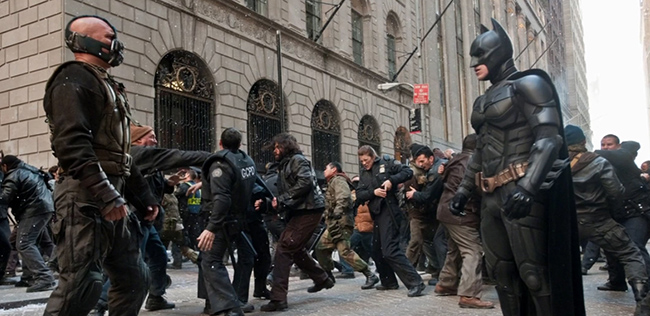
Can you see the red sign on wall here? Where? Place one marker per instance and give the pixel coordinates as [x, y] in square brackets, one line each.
[421, 93]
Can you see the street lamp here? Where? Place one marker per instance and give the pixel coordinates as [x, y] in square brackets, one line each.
[387, 86]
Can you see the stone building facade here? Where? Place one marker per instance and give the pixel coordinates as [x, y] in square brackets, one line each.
[195, 67]
[566, 61]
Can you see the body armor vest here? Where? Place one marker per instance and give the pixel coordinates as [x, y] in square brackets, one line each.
[505, 136]
[243, 168]
[112, 140]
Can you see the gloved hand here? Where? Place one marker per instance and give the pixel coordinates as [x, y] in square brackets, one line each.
[518, 204]
[457, 204]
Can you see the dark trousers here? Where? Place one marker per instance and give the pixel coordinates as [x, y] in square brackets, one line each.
[590, 254]
[156, 258]
[389, 257]
[194, 225]
[291, 249]
[86, 244]
[611, 236]
[214, 282]
[247, 262]
[5, 246]
[361, 243]
[637, 229]
[28, 231]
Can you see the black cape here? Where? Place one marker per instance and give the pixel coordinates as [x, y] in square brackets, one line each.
[564, 264]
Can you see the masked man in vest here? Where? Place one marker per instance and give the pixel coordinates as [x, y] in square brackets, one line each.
[528, 220]
[227, 193]
[89, 119]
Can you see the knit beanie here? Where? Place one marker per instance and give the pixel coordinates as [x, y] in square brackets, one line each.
[573, 134]
[139, 131]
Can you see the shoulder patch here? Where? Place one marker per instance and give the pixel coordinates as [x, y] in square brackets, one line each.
[217, 173]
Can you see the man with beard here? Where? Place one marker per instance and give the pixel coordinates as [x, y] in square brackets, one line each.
[528, 220]
[302, 201]
[379, 179]
[340, 223]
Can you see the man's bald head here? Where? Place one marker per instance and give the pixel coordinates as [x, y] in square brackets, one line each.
[90, 26]
[93, 40]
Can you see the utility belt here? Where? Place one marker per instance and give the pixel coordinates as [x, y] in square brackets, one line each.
[514, 172]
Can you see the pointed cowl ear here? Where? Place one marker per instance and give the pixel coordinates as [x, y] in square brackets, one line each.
[484, 29]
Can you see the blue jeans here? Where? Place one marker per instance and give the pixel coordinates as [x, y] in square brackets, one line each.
[361, 243]
[28, 231]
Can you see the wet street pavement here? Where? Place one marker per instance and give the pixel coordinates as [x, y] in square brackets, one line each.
[345, 298]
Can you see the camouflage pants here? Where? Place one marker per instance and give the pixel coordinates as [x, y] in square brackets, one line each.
[326, 246]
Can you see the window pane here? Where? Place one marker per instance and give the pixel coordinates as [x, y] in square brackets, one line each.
[392, 58]
[357, 37]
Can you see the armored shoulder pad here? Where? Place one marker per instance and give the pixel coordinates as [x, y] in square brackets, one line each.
[535, 90]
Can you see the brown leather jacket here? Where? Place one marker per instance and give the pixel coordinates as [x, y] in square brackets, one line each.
[453, 175]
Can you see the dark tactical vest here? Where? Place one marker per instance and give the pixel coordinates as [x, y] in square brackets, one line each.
[244, 170]
[112, 141]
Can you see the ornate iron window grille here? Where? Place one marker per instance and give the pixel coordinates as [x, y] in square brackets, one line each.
[326, 136]
[184, 102]
[263, 108]
[369, 133]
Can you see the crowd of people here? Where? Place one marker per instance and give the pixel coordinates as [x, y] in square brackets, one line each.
[512, 207]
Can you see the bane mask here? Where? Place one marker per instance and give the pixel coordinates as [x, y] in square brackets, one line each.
[491, 48]
[112, 54]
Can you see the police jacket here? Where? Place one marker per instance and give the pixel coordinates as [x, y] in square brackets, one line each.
[299, 194]
[382, 169]
[25, 190]
[627, 172]
[229, 178]
[595, 185]
[451, 178]
[428, 186]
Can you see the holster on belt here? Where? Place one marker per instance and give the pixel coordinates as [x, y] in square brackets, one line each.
[514, 172]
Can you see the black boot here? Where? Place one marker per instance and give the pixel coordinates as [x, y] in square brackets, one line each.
[327, 284]
[509, 301]
[639, 289]
[371, 279]
[155, 303]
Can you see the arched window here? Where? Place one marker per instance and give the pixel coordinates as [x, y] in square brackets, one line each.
[369, 133]
[393, 37]
[325, 135]
[402, 144]
[358, 12]
[183, 117]
[264, 114]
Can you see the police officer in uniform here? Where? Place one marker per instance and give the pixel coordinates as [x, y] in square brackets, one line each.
[227, 193]
[89, 119]
[519, 126]
[422, 193]
[378, 183]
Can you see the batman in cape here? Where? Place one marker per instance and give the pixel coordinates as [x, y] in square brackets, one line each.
[528, 218]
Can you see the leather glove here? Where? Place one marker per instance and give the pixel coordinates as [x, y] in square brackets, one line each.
[518, 204]
[457, 204]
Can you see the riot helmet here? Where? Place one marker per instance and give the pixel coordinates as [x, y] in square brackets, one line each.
[492, 48]
[82, 43]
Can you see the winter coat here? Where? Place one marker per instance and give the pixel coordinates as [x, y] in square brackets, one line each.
[453, 175]
[299, 194]
[25, 190]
